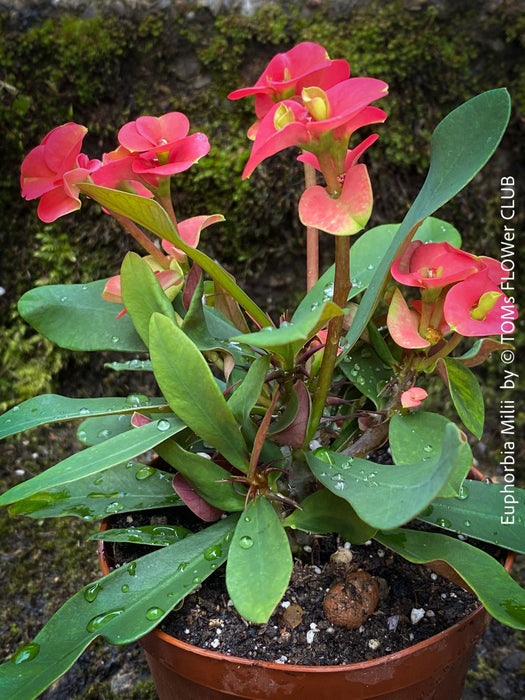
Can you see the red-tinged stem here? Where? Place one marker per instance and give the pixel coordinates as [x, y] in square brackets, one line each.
[142, 239]
[165, 201]
[312, 236]
[342, 287]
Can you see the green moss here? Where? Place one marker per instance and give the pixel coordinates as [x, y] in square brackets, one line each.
[104, 70]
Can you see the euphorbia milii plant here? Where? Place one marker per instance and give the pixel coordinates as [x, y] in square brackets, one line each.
[265, 426]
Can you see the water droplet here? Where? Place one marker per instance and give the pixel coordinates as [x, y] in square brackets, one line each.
[114, 507]
[16, 408]
[132, 568]
[467, 523]
[144, 473]
[246, 542]
[100, 620]
[98, 481]
[104, 434]
[92, 591]
[26, 653]
[84, 411]
[247, 519]
[463, 492]
[443, 522]
[427, 448]
[370, 267]
[83, 287]
[115, 339]
[63, 299]
[213, 552]
[339, 485]
[183, 565]
[154, 613]
[314, 306]
[136, 400]
[163, 425]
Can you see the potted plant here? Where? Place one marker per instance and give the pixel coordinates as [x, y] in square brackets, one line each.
[269, 428]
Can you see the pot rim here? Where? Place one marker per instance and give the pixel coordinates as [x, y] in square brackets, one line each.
[297, 668]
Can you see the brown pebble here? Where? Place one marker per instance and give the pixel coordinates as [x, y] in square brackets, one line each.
[350, 603]
[292, 616]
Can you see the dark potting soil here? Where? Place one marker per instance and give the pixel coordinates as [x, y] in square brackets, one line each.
[414, 604]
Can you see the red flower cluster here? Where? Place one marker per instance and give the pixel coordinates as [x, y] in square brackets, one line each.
[151, 150]
[460, 292]
[305, 99]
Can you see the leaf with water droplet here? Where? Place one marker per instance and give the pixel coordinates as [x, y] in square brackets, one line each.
[260, 562]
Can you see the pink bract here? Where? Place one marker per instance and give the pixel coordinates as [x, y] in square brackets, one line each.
[179, 156]
[433, 265]
[413, 397]
[348, 110]
[51, 170]
[148, 133]
[190, 231]
[288, 73]
[466, 298]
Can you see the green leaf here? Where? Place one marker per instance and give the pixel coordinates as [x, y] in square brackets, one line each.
[434, 230]
[496, 590]
[208, 479]
[122, 607]
[130, 366]
[367, 372]
[417, 436]
[94, 459]
[323, 513]
[142, 294]
[386, 496]
[124, 488]
[466, 395]
[290, 337]
[150, 214]
[153, 535]
[461, 145]
[52, 408]
[487, 512]
[76, 317]
[259, 563]
[94, 430]
[190, 389]
[246, 394]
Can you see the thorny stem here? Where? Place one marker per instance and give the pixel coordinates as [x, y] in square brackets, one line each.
[142, 239]
[312, 236]
[342, 287]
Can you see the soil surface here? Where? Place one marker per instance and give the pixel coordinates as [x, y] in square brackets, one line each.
[414, 604]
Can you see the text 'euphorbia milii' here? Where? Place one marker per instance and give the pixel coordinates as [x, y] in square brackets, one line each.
[52, 169]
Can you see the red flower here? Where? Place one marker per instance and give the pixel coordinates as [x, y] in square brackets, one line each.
[160, 146]
[341, 110]
[288, 73]
[413, 397]
[52, 169]
[477, 306]
[434, 265]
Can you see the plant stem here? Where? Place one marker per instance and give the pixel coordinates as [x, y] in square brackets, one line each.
[312, 236]
[142, 239]
[342, 287]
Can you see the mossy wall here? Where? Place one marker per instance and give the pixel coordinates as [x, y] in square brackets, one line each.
[107, 65]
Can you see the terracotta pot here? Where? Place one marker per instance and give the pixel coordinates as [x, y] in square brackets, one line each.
[430, 670]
